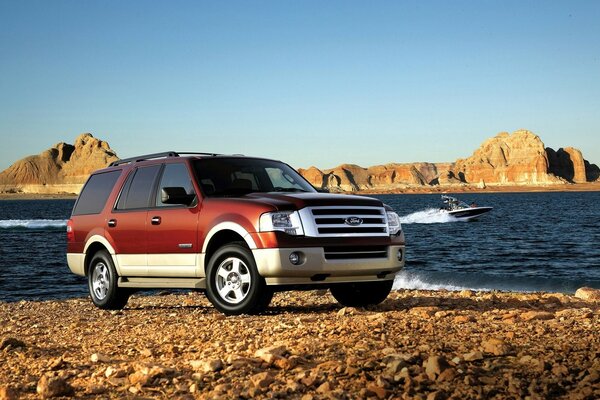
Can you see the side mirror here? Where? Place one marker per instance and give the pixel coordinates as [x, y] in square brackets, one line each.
[176, 195]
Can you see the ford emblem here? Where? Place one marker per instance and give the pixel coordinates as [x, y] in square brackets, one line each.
[353, 221]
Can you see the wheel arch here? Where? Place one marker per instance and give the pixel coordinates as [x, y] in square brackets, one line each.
[220, 239]
[95, 244]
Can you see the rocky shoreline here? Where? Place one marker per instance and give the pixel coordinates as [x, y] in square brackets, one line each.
[457, 189]
[417, 344]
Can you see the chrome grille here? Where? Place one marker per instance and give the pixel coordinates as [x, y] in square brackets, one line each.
[336, 221]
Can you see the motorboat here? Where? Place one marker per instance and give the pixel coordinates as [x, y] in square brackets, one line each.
[461, 210]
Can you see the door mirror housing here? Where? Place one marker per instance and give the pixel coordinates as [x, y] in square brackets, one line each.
[176, 195]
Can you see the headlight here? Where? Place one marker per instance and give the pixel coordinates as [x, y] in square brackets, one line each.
[284, 221]
[393, 223]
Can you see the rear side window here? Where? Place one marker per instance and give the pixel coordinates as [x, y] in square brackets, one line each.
[95, 193]
[138, 188]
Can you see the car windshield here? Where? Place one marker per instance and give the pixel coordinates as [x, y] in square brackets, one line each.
[222, 177]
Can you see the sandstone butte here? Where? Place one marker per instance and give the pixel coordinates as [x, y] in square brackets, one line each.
[518, 159]
[507, 160]
[62, 168]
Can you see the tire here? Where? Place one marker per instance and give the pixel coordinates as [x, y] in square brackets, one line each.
[102, 283]
[233, 283]
[362, 294]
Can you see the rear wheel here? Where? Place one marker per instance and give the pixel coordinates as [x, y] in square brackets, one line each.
[102, 283]
[233, 284]
[361, 294]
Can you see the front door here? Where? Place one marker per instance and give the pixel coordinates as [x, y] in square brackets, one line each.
[172, 229]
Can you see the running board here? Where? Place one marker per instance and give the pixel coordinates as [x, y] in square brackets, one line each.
[162, 283]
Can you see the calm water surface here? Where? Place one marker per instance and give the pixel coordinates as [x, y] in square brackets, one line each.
[529, 242]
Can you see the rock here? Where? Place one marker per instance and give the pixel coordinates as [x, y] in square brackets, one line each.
[262, 379]
[375, 390]
[568, 163]
[11, 343]
[52, 385]
[324, 388]
[518, 158]
[473, 356]
[467, 293]
[437, 395]
[447, 375]
[394, 364]
[270, 354]
[460, 319]
[536, 315]
[424, 311]
[99, 358]
[434, 366]
[8, 393]
[211, 365]
[495, 346]
[588, 293]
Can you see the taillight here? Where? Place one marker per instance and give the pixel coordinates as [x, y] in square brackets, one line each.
[70, 231]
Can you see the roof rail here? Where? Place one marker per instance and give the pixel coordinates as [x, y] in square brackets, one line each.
[144, 157]
[199, 154]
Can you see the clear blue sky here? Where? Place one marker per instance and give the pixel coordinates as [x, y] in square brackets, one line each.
[311, 83]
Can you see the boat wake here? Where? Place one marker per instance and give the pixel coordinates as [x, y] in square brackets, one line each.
[428, 216]
[32, 223]
[408, 280]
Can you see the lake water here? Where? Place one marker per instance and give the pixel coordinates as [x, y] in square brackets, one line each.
[529, 242]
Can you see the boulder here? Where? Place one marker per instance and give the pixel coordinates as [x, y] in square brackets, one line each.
[588, 293]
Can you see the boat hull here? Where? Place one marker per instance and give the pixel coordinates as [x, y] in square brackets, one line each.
[468, 214]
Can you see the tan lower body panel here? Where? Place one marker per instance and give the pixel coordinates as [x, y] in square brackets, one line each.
[274, 265]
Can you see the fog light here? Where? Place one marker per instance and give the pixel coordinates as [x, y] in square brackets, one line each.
[400, 255]
[295, 258]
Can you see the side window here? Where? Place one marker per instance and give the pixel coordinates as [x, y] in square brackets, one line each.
[95, 193]
[138, 188]
[174, 175]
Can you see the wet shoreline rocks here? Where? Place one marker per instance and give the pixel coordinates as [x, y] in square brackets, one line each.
[417, 344]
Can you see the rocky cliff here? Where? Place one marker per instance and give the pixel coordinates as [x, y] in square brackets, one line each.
[506, 159]
[61, 168]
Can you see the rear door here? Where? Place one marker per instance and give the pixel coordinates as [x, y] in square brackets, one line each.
[127, 222]
[172, 230]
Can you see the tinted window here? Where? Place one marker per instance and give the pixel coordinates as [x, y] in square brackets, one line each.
[239, 176]
[95, 193]
[174, 175]
[137, 190]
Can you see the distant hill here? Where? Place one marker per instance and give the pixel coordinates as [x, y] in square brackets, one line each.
[506, 159]
[62, 168]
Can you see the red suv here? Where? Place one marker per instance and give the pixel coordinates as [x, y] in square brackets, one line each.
[237, 227]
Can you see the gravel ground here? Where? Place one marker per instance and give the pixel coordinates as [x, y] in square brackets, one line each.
[417, 344]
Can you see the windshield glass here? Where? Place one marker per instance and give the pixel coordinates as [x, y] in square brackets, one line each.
[239, 176]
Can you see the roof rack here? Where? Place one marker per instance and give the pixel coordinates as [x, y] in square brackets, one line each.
[156, 155]
[144, 157]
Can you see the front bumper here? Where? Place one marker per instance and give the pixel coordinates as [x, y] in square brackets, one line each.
[275, 266]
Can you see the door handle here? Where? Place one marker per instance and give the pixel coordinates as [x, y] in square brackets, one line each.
[155, 220]
[112, 223]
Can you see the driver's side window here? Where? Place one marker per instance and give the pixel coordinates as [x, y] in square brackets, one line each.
[174, 175]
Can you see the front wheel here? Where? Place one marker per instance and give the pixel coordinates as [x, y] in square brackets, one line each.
[361, 294]
[102, 283]
[233, 284]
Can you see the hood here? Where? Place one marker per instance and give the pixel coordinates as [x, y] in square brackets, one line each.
[288, 201]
